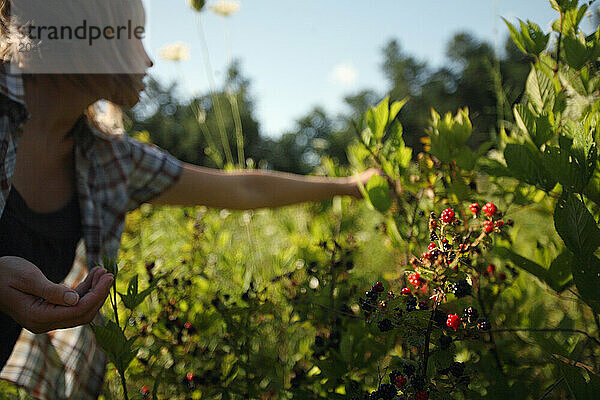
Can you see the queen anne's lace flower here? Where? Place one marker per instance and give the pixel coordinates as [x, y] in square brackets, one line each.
[177, 51]
[225, 8]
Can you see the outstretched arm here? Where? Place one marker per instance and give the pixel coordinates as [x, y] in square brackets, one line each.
[251, 189]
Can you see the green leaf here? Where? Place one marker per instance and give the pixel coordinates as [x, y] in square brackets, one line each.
[576, 226]
[118, 348]
[396, 107]
[576, 52]
[110, 264]
[540, 91]
[559, 274]
[377, 118]
[586, 276]
[133, 299]
[516, 36]
[526, 164]
[577, 385]
[525, 264]
[379, 193]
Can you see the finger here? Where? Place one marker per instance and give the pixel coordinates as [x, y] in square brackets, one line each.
[86, 285]
[91, 303]
[60, 317]
[101, 272]
[34, 282]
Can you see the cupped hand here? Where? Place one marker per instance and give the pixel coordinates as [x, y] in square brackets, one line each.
[39, 305]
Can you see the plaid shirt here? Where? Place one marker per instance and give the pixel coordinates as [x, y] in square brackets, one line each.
[115, 174]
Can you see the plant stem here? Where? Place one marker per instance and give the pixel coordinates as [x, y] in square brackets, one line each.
[427, 338]
[549, 330]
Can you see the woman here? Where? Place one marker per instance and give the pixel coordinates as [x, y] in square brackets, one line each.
[78, 176]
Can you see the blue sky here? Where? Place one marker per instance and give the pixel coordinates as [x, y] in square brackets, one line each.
[300, 54]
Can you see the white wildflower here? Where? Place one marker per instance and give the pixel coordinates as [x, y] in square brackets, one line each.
[177, 51]
[225, 8]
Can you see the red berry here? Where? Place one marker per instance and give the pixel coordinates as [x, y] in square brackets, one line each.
[189, 376]
[378, 287]
[400, 381]
[421, 395]
[405, 291]
[502, 276]
[432, 246]
[475, 208]
[426, 255]
[491, 269]
[489, 209]
[453, 321]
[499, 224]
[447, 215]
[144, 390]
[415, 279]
[188, 325]
[488, 226]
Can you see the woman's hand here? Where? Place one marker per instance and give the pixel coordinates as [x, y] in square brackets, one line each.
[38, 305]
[363, 177]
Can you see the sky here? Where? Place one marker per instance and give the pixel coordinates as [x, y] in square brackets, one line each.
[302, 54]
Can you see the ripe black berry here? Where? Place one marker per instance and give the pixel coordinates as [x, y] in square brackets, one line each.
[409, 369]
[319, 341]
[483, 325]
[378, 287]
[385, 325]
[471, 314]
[411, 301]
[418, 381]
[387, 391]
[460, 288]
[445, 342]
[433, 237]
[457, 369]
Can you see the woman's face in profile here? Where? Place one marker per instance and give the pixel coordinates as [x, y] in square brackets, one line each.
[124, 89]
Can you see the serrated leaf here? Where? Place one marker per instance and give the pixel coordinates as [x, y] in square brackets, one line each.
[526, 164]
[559, 274]
[378, 191]
[586, 276]
[576, 226]
[576, 52]
[377, 118]
[396, 107]
[540, 91]
[118, 348]
[516, 36]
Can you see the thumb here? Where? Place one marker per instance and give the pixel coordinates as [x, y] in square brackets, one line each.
[37, 284]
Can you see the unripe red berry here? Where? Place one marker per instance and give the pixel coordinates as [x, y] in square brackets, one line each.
[189, 376]
[405, 291]
[400, 381]
[489, 209]
[187, 325]
[432, 246]
[475, 208]
[447, 215]
[491, 269]
[145, 390]
[499, 224]
[488, 226]
[426, 255]
[453, 321]
[415, 279]
[378, 287]
[421, 395]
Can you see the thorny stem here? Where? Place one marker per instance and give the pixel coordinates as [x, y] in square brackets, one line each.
[493, 343]
[549, 330]
[427, 338]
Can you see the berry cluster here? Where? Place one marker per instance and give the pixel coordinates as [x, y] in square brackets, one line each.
[450, 264]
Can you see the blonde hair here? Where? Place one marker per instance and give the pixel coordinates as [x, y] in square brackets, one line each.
[104, 115]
